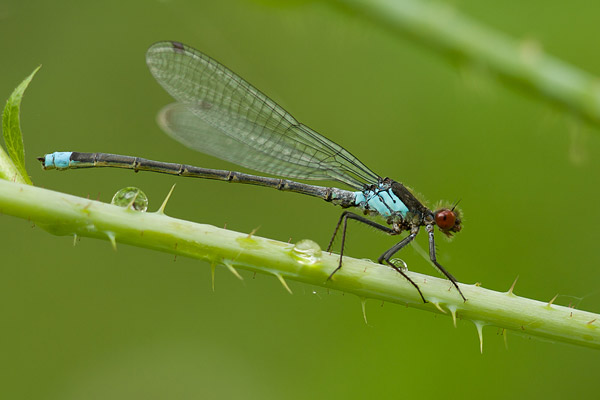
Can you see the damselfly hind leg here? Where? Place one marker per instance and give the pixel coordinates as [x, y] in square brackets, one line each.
[344, 222]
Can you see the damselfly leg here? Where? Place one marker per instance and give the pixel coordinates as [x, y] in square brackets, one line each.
[399, 246]
[435, 262]
[343, 221]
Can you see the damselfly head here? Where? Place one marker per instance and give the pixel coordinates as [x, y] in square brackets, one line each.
[448, 220]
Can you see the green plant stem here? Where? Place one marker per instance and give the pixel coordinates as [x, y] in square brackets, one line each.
[523, 62]
[63, 214]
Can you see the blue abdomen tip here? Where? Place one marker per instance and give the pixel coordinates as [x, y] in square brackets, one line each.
[58, 160]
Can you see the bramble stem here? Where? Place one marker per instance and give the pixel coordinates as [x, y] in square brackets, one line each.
[63, 214]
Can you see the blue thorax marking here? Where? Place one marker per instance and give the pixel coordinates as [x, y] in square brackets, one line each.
[58, 160]
[382, 200]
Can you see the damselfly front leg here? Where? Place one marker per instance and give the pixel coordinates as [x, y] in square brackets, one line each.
[437, 265]
[415, 230]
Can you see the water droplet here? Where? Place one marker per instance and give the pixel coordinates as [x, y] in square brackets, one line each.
[307, 252]
[131, 197]
[398, 263]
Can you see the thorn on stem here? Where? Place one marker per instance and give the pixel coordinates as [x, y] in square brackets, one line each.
[284, 283]
[233, 271]
[363, 304]
[253, 232]
[161, 210]
[552, 301]
[111, 238]
[452, 310]
[437, 305]
[512, 287]
[479, 327]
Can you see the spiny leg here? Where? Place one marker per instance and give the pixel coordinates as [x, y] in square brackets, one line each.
[385, 257]
[398, 246]
[344, 221]
[337, 227]
[407, 278]
[438, 266]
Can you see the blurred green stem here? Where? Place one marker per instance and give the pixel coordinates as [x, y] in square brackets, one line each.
[523, 63]
[63, 214]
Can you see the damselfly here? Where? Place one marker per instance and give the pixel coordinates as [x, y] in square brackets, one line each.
[220, 114]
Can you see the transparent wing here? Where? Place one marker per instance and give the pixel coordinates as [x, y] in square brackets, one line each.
[223, 115]
[185, 126]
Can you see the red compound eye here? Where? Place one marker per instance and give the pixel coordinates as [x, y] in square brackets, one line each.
[445, 219]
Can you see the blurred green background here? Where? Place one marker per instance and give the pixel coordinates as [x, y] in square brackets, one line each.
[87, 322]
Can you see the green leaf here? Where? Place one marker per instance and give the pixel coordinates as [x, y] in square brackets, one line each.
[13, 168]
